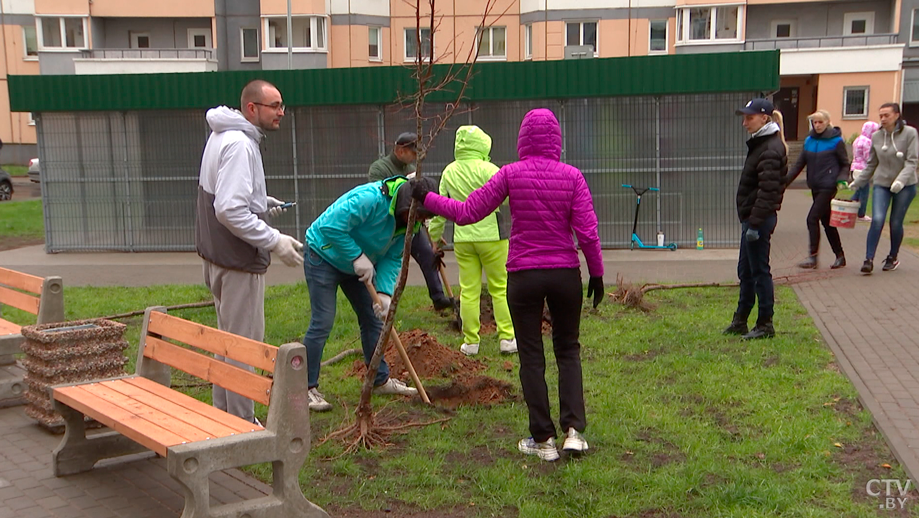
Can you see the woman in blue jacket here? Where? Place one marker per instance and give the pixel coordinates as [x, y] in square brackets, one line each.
[827, 163]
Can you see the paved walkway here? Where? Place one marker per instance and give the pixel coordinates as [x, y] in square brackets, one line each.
[866, 321]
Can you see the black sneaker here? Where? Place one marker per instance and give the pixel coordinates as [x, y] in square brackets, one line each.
[737, 327]
[890, 264]
[442, 304]
[760, 331]
[868, 266]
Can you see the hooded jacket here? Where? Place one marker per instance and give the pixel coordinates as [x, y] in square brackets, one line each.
[883, 163]
[861, 148]
[364, 220]
[549, 202]
[230, 230]
[761, 186]
[470, 170]
[827, 161]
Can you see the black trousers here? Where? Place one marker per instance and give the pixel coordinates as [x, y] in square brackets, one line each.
[561, 290]
[423, 254]
[820, 214]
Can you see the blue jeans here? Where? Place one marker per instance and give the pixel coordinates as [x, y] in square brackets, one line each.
[898, 204]
[861, 195]
[323, 281]
[754, 272]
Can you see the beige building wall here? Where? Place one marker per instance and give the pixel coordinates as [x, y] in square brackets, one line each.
[149, 8]
[884, 87]
[14, 127]
[62, 7]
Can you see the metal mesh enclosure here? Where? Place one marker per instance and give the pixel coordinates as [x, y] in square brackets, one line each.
[127, 181]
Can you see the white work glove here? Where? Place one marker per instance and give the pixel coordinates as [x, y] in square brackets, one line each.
[896, 186]
[381, 309]
[363, 268]
[289, 250]
[274, 207]
[851, 186]
[410, 175]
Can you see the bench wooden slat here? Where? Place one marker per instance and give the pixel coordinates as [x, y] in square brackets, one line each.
[136, 428]
[21, 281]
[20, 300]
[245, 350]
[9, 328]
[183, 407]
[151, 414]
[230, 377]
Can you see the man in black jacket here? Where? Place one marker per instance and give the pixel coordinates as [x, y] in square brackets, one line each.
[759, 198]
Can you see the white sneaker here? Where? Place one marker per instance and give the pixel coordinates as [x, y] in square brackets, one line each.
[317, 401]
[509, 346]
[394, 386]
[469, 349]
[544, 450]
[574, 442]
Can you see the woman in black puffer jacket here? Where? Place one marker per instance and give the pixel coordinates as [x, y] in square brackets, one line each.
[759, 198]
[827, 163]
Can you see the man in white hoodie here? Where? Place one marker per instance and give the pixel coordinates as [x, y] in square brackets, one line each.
[231, 233]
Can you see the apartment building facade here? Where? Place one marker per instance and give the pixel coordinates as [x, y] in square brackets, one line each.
[847, 57]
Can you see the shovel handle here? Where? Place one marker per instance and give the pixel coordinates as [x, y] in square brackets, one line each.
[394, 336]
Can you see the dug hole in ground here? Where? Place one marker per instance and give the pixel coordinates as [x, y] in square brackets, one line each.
[456, 377]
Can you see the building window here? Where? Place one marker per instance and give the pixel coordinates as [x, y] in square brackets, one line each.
[61, 32]
[411, 44]
[581, 33]
[140, 40]
[528, 42]
[855, 102]
[375, 39]
[709, 24]
[308, 33]
[914, 35]
[31, 119]
[248, 38]
[855, 24]
[199, 39]
[658, 37]
[492, 43]
[30, 42]
[784, 29]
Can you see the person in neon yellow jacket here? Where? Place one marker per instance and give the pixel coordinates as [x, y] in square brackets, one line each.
[479, 246]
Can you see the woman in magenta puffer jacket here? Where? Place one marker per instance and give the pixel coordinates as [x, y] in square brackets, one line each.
[549, 202]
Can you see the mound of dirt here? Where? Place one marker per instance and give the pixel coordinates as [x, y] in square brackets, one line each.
[487, 319]
[433, 360]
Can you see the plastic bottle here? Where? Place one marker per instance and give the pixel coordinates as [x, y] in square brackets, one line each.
[699, 242]
[660, 238]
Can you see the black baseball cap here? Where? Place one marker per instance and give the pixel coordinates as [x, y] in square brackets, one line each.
[758, 105]
[407, 139]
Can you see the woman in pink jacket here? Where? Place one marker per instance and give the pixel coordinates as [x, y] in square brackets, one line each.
[549, 202]
[860, 149]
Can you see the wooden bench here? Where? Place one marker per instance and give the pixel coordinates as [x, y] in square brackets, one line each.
[195, 438]
[41, 297]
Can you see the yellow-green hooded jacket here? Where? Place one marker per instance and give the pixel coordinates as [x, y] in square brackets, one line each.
[470, 170]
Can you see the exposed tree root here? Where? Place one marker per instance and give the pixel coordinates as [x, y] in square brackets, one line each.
[373, 431]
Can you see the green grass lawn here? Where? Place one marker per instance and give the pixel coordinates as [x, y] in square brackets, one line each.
[21, 219]
[683, 421]
[16, 170]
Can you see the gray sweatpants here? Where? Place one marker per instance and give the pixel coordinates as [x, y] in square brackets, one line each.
[240, 301]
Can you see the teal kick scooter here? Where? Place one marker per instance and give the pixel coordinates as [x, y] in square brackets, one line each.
[636, 241]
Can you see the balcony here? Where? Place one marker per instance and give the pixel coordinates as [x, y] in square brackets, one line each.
[144, 61]
[822, 42]
[834, 54]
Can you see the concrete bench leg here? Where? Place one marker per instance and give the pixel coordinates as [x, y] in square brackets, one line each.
[77, 453]
[192, 464]
[12, 386]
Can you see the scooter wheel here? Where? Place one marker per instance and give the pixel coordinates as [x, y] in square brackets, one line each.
[672, 247]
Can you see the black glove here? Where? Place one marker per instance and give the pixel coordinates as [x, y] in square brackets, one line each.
[438, 258]
[419, 189]
[595, 290]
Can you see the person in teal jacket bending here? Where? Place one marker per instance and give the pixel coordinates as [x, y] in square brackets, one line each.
[357, 240]
[478, 246]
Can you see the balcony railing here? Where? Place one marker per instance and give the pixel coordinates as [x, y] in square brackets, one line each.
[820, 42]
[203, 54]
